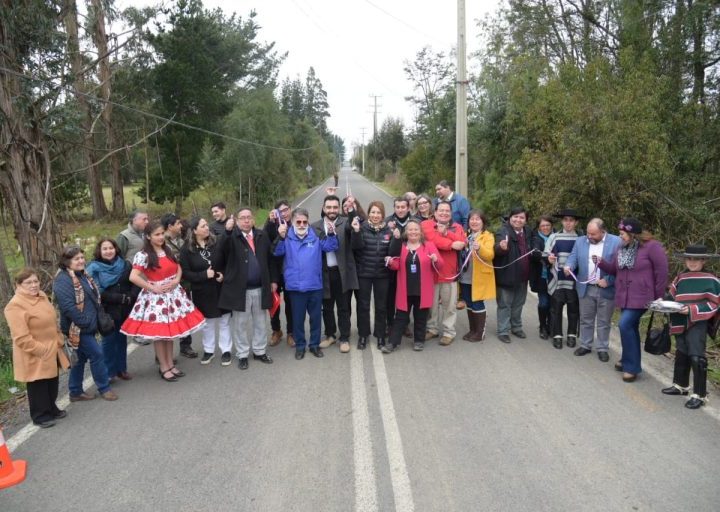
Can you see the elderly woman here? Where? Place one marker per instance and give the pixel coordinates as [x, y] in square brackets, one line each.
[640, 268]
[699, 290]
[36, 347]
[78, 298]
[111, 273]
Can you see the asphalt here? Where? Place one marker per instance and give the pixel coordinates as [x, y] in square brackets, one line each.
[472, 426]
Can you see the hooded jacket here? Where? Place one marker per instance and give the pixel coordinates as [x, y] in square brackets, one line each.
[304, 259]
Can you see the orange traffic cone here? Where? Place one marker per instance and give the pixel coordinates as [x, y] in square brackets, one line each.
[11, 473]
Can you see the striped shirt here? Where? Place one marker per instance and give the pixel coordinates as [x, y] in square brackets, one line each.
[701, 292]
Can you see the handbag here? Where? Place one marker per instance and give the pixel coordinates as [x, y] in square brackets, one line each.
[657, 340]
[105, 323]
[70, 352]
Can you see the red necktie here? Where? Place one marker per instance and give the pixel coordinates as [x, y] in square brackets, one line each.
[250, 241]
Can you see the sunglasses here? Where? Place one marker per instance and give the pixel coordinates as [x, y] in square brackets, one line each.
[301, 223]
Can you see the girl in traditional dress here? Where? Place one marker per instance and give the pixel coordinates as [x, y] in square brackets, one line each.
[162, 311]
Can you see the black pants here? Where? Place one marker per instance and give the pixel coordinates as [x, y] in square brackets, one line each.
[558, 299]
[392, 288]
[275, 319]
[41, 399]
[402, 319]
[378, 286]
[343, 307]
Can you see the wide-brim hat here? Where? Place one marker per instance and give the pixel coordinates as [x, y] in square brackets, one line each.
[697, 251]
[568, 212]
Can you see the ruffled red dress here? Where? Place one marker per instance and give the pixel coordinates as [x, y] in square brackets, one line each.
[158, 316]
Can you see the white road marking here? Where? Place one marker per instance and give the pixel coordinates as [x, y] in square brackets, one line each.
[365, 483]
[28, 430]
[402, 490]
[312, 193]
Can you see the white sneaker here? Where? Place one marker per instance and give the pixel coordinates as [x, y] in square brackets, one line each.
[327, 342]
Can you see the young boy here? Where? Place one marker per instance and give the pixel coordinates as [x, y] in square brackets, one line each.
[700, 291]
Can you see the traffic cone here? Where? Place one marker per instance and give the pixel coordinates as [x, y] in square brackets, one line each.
[11, 473]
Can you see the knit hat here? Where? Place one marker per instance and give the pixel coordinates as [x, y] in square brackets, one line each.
[630, 225]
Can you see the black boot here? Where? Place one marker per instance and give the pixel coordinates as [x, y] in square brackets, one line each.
[681, 375]
[699, 396]
[380, 343]
[362, 342]
[543, 317]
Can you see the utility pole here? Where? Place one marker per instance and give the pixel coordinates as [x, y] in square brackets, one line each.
[374, 106]
[461, 181]
[362, 148]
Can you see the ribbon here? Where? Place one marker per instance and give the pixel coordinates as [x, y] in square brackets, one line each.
[594, 275]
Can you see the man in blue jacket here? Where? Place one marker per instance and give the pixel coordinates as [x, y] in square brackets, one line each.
[302, 250]
[459, 204]
[595, 288]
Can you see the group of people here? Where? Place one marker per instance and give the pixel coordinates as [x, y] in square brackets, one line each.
[163, 280]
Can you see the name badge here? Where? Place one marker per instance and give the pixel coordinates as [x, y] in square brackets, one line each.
[413, 268]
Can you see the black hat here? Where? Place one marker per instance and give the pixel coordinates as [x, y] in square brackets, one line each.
[568, 212]
[697, 251]
[630, 225]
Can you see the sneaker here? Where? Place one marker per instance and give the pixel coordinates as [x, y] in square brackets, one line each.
[446, 340]
[418, 346]
[344, 347]
[430, 335]
[109, 395]
[226, 359]
[387, 349]
[206, 358]
[329, 340]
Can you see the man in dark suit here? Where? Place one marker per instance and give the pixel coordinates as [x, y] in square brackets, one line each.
[243, 258]
[339, 274]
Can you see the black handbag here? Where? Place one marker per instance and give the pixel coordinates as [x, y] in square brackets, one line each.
[105, 323]
[657, 340]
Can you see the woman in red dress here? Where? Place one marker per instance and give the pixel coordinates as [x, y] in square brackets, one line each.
[162, 311]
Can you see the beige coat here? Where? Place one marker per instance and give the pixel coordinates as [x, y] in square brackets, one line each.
[37, 341]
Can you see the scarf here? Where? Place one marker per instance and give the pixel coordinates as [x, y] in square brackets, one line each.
[106, 274]
[627, 255]
[544, 273]
[74, 331]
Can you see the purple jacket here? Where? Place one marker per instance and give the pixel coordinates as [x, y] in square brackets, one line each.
[645, 282]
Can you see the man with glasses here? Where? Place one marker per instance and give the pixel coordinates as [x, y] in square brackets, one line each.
[279, 215]
[302, 251]
[243, 257]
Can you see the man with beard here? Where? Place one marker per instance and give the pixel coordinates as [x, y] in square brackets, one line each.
[339, 274]
[279, 215]
[302, 251]
[399, 219]
[597, 297]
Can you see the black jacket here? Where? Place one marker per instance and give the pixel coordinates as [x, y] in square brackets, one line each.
[119, 299]
[205, 292]
[345, 256]
[218, 228]
[510, 276]
[537, 263]
[370, 247]
[231, 258]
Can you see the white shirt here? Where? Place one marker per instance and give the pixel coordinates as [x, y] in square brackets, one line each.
[331, 257]
[595, 250]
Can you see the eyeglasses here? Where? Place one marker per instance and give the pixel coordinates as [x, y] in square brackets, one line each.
[29, 282]
[283, 210]
[301, 223]
[422, 202]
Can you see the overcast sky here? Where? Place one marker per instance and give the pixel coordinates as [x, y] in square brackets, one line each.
[357, 50]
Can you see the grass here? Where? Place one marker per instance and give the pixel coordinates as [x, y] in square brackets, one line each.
[7, 382]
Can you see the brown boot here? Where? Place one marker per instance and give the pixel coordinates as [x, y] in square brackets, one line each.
[471, 321]
[478, 326]
[275, 338]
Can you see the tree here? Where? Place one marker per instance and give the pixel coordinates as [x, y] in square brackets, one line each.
[316, 104]
[31, 45]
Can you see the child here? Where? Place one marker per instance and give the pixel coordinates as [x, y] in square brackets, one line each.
[700, 291]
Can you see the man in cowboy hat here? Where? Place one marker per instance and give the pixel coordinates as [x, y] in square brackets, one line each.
[595, 288]
[700, 292]
[562, 287]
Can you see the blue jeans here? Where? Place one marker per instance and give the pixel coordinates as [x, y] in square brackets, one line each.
[114, 348]
[543, 300]
[89, 350]
[477, 306]
[310, 303]
[630, 338]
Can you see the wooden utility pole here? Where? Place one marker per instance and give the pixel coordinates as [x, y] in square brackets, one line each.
[461, 181]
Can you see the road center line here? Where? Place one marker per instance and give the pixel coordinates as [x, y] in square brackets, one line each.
[365, 483]
[402, 490]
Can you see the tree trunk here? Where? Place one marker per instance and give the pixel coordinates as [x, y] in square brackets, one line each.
[25, 173]
[93, 172]
[698, 50]
[100, 39]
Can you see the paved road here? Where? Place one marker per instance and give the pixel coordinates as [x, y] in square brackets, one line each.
[469, 427]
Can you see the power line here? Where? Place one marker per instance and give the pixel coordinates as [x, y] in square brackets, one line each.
[156, 116]
[400, 20]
